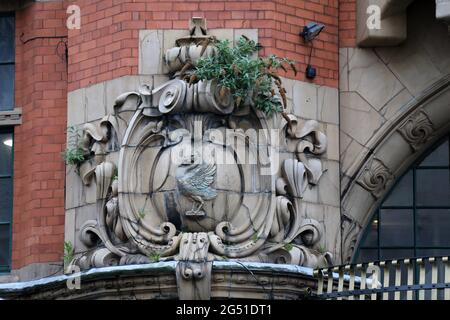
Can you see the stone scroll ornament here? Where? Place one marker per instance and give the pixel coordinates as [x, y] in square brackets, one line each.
[187, 183]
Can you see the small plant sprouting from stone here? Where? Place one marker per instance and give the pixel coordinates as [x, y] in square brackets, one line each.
[321, 249]
[115, 178]
[142, 213]
[73, 154]
[246, 77]
[68, 252]
[288, 246]
[255, 237]
[154, 257]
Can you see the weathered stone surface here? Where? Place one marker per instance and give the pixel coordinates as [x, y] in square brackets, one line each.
[151, 44]
[305, 100]
[371, 78]
[76, 107]
[95, 102]
[328, 105]
[358, 119]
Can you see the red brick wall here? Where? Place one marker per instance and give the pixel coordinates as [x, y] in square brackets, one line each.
[41, 90]
[347, 23]
[106, 46]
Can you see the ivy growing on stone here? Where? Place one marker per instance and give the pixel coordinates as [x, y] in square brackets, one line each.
[249, 79]
[74, 154]
[68, 252]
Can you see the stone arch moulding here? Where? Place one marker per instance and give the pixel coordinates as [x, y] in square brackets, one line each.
[410, 135]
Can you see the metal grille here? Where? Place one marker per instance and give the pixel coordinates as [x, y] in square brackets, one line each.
[407, 279]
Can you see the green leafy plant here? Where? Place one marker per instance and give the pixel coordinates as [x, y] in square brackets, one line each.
[154, 257]
[321, 249]
[288, 246]
[142, 213]
[73, 154]
[68, 252]
[244, 76]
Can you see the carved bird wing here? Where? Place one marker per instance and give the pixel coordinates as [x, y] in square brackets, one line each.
[202, 176]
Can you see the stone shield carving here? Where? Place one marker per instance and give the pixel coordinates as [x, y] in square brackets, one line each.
[196, 181]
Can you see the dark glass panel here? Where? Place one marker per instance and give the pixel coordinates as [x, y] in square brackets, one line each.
[371, 239]
[7, 39]
[6, 150]
[6, 87]
[396, 228]
[402, 195]
[367, 255]
[6, 193]
[433, 226]
[439, 157]
[391, 254]
[433, 252]
[4, 245]
[433, 187]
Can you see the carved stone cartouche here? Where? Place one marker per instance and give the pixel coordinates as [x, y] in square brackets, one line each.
[190, 185]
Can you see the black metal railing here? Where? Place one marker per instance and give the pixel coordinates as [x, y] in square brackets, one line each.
[406, 279]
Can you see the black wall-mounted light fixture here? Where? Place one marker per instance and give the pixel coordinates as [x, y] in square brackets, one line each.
[309, 33]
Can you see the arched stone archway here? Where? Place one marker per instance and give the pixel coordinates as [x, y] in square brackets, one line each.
[406, 139]
[394, 105]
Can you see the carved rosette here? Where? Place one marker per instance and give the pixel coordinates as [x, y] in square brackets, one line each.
[375, 178]
[188, 184]
[417, 130]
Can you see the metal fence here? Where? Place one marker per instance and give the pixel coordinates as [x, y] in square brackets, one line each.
[407, 279]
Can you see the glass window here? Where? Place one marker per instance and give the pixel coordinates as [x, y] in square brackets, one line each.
[414, 219]
[6, 196]
[7, 59]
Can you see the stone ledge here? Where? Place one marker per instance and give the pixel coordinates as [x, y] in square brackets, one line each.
[393, 29]
[11, 117]
[158, 280]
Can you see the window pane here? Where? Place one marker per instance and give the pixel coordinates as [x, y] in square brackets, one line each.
[402, 195]
[6, 150]
[433, 227]
[433, 187]
[367, 255]
[4, 245]
[7, 39]
[438, 157]
[396, 228]
[5, 199]
[389, 254]
[371, 239]
[433, 252]
[6, 87]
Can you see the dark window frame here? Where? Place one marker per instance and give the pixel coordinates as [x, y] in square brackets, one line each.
[7, 268]
[413, 207]
[10, 130]
[10, 62]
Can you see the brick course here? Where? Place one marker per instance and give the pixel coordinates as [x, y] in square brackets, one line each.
[41, 91]
[113, 26]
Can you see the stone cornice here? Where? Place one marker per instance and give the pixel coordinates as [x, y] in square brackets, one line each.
[158, 280]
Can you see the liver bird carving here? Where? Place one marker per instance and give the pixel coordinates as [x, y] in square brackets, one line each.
[194, 181]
